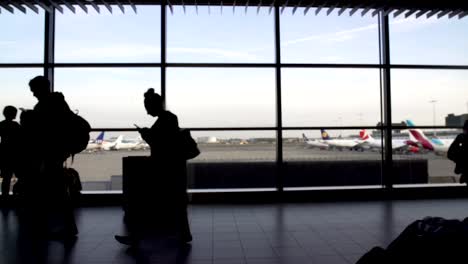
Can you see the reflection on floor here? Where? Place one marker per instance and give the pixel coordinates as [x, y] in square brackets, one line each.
[283, 233]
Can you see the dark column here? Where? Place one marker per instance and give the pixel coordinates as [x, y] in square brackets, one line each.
[49, 46]
[387, 102]
[279, 117]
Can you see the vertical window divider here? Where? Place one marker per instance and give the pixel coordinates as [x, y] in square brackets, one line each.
[49, 45]
[163, 50]
[387, 102]
[279, 117]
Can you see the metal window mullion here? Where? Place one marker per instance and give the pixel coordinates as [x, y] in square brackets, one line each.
[49, 46]
[163, 50]
[279, 118]
[387, 128]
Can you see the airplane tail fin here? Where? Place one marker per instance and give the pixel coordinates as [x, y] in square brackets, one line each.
[119, 139]
[325, 135]
[100, 138]
[305, 137]
[364, 135]
[409, 123]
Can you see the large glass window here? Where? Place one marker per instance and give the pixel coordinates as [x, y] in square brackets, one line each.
[327, 38]
[245, 98]
[331, 97]
[428, 41]
[427, 97]
[14, 88]
[222, 97]
[22, 37]
[104, 37]
[427, 162]
[207, 35]
[100, 165]
[108, 97]
[233, 160]
[326, 158]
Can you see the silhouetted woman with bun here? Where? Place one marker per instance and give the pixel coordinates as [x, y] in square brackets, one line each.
[169, 172]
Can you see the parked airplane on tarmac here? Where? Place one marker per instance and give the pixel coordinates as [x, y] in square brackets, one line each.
[96, 144]
[339, 143]
[315, 143]
[402, 145]
[435, 144]
[129, 144]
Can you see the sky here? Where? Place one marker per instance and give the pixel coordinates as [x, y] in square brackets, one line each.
[208, 97]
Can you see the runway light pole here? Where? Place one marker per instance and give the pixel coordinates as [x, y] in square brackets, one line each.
[433, 102]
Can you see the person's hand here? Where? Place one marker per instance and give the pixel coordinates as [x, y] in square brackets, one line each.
[143, 130]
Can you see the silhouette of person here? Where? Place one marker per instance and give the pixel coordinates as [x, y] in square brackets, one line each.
[458, 153]
[9, 134]
[170, 174]
[26, 150]
[49, 153]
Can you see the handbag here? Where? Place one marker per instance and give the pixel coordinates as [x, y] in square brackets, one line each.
[189, 148]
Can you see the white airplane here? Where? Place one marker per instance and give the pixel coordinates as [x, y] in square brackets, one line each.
[100, 144]
[314, 143]
[397, 144]
[339, 143]
[435, 144]
[97, 143]
[121, 143]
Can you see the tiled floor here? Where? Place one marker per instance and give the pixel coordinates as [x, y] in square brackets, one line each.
[320, 233]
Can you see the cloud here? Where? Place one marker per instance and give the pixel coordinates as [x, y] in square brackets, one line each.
[130, 50]
[70, 52]
[215, 52]
[338, 36]
[402, 24]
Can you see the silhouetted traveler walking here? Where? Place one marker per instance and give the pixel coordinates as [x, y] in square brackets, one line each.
[458, 153]
[9, 136]
[169, 183]
[51, 128]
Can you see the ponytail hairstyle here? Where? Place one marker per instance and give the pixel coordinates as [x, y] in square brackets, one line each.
[153, 101]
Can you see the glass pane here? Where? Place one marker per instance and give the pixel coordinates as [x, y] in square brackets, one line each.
[212, 35]
[331, 97]
[100, 165]
[15, 88]
[109, 97]
[107, 37]
[427, 163]
[428, 97]
[222, 97]
[22, 38]
[228, 160]
[334, 158]
[428, 41]
[233, 159]
[326, 38]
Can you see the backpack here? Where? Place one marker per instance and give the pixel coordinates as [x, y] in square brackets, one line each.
[458, 153]
[73, 182]
[78, 130]
[427, 241]
[189, 148]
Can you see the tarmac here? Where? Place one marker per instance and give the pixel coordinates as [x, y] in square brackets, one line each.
[102, 170]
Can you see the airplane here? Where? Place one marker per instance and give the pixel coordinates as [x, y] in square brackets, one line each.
[397, 144]
[121, 143]
[96, 144]
[339, 143]
[314, 143]
[434, 144]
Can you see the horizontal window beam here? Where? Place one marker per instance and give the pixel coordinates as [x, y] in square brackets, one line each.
[232, 65]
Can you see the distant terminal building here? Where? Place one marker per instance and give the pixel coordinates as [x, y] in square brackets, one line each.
[455, 120]
[208, 140]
